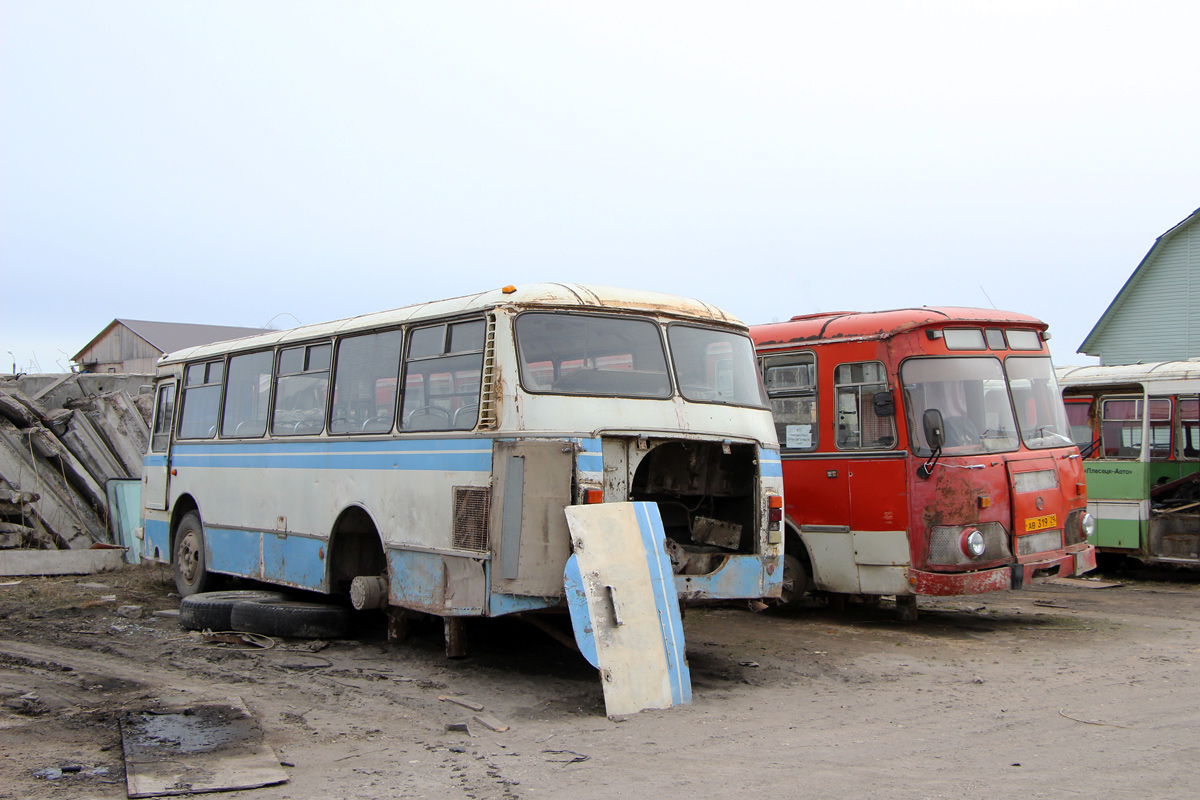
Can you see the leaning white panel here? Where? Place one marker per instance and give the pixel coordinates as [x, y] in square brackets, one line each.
[624, 607]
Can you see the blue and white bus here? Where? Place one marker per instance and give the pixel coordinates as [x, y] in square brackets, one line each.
[422, 458]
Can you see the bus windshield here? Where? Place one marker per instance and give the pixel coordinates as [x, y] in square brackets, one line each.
[1039, 405]
[589, 354]
[971, 395]
[715, 366]
[592, 354]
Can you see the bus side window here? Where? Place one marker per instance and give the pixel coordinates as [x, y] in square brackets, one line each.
[246, 391]
[443, 375]
[301, 384]
[164, 415]
[200, 400]
[365, 378]
[1189, 421]
[858, 426]
[791, 383]
[1121, 427]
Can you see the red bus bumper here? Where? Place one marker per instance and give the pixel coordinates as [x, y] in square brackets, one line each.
[1016, 576]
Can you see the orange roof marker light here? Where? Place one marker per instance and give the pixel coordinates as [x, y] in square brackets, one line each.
[509, 289]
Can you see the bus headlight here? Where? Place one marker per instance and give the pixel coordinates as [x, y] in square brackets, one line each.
[1080, 527]
[1088, 523]
[972, 543]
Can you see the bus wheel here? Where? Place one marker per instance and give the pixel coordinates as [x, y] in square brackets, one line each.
[190, 567]
[795, 582]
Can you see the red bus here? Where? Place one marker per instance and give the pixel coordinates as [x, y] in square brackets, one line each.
[926, 451]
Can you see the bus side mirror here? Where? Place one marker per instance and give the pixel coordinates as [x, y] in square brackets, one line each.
[885, 406]
[932, 422]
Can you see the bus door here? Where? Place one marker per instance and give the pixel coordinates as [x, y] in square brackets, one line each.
[157, 463]
[1039, 508]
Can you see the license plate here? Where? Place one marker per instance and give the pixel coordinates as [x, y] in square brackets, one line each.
[1041, 523]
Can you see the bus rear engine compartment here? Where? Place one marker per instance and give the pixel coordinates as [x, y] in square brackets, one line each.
[706, 495]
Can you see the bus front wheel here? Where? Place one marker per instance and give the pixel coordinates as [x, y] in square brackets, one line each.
[190, 565]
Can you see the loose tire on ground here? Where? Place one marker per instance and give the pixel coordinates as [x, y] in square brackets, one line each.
[290, 618]
[211, 610]
[188, 560]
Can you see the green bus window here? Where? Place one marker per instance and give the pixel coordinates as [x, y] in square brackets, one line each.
[1189, 421]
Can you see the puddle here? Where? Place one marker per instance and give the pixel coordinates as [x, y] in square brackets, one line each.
[199, 730]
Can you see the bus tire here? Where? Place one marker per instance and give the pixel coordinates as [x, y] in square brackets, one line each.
[290, 619]
[189, 562]
[795, 582]
[210, 611]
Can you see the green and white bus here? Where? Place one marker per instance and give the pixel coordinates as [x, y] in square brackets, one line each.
[1138, 428]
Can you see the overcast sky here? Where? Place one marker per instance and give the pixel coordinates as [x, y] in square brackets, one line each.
[241, 163]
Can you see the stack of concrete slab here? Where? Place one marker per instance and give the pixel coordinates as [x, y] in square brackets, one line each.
[62, 439]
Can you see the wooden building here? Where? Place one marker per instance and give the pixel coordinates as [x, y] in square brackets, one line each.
[1156, 315]
[133, 345]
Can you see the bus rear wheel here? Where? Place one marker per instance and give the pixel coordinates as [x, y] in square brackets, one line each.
[189, 561]
[795, 582]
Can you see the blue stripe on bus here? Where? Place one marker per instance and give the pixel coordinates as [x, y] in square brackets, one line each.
[769, 463]
[590, 457]
[666, 600]
[155, 460]
[443, 455]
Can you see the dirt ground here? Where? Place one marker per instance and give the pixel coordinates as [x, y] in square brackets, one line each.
[1058, 691]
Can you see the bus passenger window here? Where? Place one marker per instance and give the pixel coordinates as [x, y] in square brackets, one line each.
[164, 414]
[443, 375]
[300, 389]
[1189, 421]
[858, 427]
[791, 384]
[1121, 427]
[365, 377]
[246, 394]
[200, 400]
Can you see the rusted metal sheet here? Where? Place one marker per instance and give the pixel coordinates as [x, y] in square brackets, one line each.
[951, 583]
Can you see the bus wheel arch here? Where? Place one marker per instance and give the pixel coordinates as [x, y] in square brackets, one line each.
[355, 549]
[797, 569]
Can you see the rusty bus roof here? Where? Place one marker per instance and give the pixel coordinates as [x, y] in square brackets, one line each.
[537, 295]
[864, 325]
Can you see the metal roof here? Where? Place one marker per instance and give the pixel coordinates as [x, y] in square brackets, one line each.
[848, 325]
[169, 336]
[1129, 373]
[552, 295]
